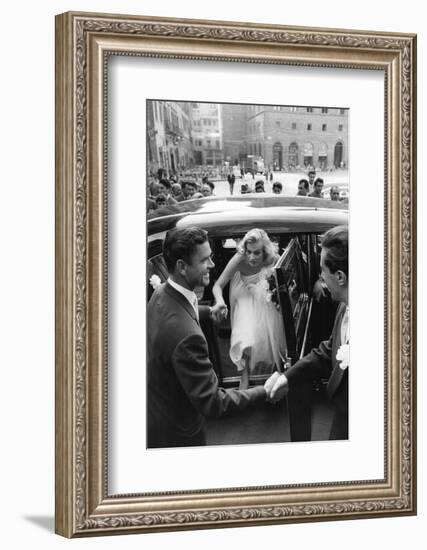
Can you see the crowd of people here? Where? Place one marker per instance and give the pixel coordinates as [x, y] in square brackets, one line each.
[163, 191]
[182, 387]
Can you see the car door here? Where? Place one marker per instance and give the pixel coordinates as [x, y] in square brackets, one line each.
[294, 272]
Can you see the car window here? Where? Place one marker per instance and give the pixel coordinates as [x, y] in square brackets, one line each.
[294, 271]
[292, 277]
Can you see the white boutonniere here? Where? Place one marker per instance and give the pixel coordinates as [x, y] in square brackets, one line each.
[343, 356]
[155, 281]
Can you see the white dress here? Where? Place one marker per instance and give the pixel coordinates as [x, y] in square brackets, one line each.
[257, 328]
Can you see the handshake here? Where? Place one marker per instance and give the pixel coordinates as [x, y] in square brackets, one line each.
[276, 387]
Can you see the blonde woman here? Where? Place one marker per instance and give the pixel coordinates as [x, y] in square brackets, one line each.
[257, 332]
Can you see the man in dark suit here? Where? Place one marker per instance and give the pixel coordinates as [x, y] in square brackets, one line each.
[182, 387]
[330, 360]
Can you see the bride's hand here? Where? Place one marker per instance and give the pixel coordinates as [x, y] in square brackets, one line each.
[219, 312]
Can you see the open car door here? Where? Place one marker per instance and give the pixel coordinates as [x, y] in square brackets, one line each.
[293, 279]
[296, 273]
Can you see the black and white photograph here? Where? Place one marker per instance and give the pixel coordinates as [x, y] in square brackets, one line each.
[247, 273]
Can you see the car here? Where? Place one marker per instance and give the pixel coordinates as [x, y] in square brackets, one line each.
[296, 224]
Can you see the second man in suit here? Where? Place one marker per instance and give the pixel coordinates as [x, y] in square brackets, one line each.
[331, 359]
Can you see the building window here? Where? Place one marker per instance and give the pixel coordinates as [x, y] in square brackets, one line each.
[217, 144]
[278, 123]
[340, 127]
[309, 110]
[308, 126]
[294, 125]
[342, 111]
[324, 127]
[324, 110]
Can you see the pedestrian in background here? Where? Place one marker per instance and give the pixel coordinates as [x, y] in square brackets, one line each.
[231, 178]
[311, 178]
[277, 188]
[334, 193]
[303, 188]
[318, 186]
[259, 187]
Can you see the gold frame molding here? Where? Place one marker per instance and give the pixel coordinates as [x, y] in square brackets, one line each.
[83, 43]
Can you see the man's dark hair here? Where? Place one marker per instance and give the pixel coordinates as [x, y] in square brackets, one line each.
[305, 182]
[180, 244]
[278, 185]
[184, 183]
[335, 243]
[318, 180]
[259, 183]
[312, 172]
[165, 182]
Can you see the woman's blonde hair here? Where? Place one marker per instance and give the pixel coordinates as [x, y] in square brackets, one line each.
[270, 249]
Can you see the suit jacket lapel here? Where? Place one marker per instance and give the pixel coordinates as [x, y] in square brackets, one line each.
[337, 372]
[182, 300]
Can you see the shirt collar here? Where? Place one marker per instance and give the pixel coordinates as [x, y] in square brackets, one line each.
[189, 294]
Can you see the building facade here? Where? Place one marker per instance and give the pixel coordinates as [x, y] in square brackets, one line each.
[169, 141]
[183, 135]
[292, 138]
[234, 133]
[206, 131]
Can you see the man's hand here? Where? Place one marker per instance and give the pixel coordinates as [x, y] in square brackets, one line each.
[276, 387]
[219, 312]
[269, 384]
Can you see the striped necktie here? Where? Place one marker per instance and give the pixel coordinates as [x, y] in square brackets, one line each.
[196, 307]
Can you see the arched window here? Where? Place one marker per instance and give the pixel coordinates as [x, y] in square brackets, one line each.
[293, 155]
[323, 156]
[338, 154]
[277, 156]
[308, 154]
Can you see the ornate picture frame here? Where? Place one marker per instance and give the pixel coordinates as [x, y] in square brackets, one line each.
[84, 43]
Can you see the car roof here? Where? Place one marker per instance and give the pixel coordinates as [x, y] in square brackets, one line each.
[234, 215]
